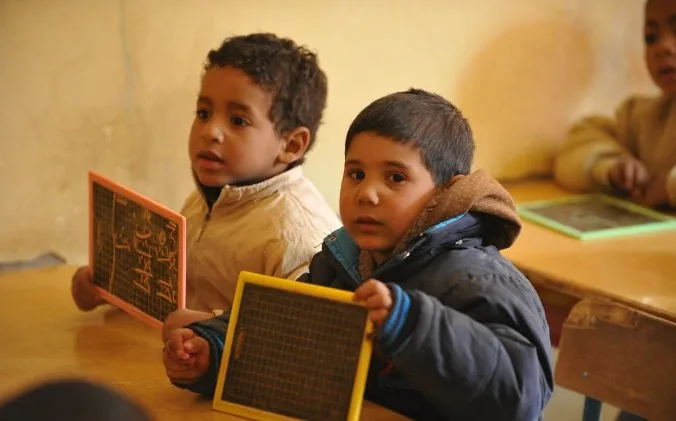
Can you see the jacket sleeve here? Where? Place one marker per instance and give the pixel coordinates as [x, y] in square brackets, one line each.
[591, 148]
[467, 359]
[319, 272]
[213, 331]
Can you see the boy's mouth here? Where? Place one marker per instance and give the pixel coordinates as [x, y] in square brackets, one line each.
[367, 224]
[667, 70]
[209, 156]
[209, 161]
[367, 220]
[667, 73]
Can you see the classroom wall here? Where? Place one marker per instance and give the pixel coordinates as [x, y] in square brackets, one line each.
[110, 86]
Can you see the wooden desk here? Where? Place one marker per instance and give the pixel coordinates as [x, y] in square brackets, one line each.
[612, 302]
[638, 270]
[45, 336]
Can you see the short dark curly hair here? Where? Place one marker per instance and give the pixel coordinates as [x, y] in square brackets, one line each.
[425, 120]
[287, 70]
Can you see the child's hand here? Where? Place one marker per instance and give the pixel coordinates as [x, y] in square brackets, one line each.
[656, 193]
[185, 356]
[182, 318]
[629, 176]
[378, 300]
[82, 289]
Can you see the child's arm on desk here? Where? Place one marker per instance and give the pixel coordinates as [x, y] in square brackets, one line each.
[592, 148]
[195, 367]
[661, 190]
[186, 357]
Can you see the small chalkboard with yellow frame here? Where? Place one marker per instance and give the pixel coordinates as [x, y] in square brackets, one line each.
[293, 351]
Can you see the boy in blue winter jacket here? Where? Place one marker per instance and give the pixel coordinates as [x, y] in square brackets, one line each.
[461, 333]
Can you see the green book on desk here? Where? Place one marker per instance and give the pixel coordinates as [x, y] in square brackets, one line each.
[595, 216]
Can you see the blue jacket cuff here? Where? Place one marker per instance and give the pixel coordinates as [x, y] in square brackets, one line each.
[400, 323]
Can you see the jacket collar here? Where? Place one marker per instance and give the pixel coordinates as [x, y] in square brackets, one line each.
[236, 196]
[448, 233]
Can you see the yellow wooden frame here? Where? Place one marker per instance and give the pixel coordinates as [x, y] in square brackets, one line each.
[300, 288]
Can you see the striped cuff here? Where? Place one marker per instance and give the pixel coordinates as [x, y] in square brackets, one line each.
[400, 323]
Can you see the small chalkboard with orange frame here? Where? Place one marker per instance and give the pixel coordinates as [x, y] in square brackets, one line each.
[137, 251]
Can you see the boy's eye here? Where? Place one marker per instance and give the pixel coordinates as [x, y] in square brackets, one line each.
[396, 178]
[356, 174]
[650, 39]
[202, 114]
[239, 121]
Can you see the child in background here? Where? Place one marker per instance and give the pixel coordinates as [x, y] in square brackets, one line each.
[635, 153]
[460, 332]
[257, 113]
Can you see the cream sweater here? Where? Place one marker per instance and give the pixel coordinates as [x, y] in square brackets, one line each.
[273, 228]
[642, 127]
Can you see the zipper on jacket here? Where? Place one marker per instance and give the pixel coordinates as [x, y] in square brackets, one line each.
[204, 225]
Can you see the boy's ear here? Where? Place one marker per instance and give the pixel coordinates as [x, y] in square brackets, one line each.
[295, 144]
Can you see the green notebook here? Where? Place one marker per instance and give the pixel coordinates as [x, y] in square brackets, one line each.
[595, 216]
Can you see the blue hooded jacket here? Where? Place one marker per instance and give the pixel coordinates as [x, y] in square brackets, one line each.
[466, 337]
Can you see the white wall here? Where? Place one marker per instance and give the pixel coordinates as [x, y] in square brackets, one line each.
[110, 86]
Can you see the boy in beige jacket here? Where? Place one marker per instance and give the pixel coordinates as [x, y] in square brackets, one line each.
[257, 114]
[633, 154]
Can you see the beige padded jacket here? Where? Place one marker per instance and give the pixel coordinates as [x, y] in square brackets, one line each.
[273, 227]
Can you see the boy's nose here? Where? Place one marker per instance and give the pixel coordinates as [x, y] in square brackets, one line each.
[214, 132]
[368, 194]
[666, 45]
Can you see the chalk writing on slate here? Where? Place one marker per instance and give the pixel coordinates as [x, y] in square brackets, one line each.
[137, 251]
[595, 216]
[295, 350]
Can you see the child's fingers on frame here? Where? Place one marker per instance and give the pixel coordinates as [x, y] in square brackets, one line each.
[379, 300]
[378, 317]
[381, 289]
[379, 296]
[368, 288]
